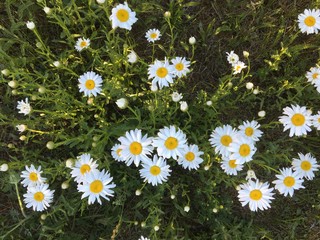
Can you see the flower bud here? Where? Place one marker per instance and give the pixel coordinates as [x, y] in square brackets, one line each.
[186, 208]
[50, 145]
[183, 106]
[249, 85]
[30, 25]
[262, 113]
[192, 40]
[13, 84]
[5, 72]
[122, 103]
[4, 167]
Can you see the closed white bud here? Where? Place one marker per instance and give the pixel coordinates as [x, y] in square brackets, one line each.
[14, 92]
[5, 72]
[143, 224]
[43, 216]
[255, 91]
[262, 113]
[50, 145]
[101, 1]
[156, 228]
[65, 185]
[122, 103]
[249, 85]
[154, 88]
[13, 84]
[69, 163]
[167, 14]
[192, 40]
[215, 210]
[57, 64]
[23, 138]
[138, 192]
[209, 103]
[183, 106]
[132, 57]
[4, 167]
[206, 167]
[245, 54]
[186, 208]
[30, 25]
[21, 127]
[41, 89]
[47, 10]
[172, 196]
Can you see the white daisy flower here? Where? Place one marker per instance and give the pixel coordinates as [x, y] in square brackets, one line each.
[232, 57]
[38, 197]
[116, 152]
[97, 184]
[315, 120]
[161, 73]
[229, 166]
[250, 130]
[82, 43]
[135, 147]
[24, 107]
[191, 157]
[156, 171]
[221, 138]
[306, 165]
[288, 181]
[90, 83]
[238, 66]
[32, 176]
[297, 119]
[176, 97]
[153, 35]
[180, 66]
[170, 142]
[257, 194]
[242, 149]
[313, 75]
[83, 165]
[309, 21]
[122, 16]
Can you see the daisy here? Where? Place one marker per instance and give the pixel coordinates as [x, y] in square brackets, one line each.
[122, 16]
[232, 58]
[191, 157]
[38, 197]
[257, 194]
[170, 142]
[250, 130]
[180, 66]
[229, 166]
[306, 165]
[315, 120]
[242, 149]
[24, 107]
[135, 147]
[153, 35]
[238, 66]
[309, 21]
[288, 181]
[155, 171]
[116, 152]
[97, 184]
[32, 176]
[161, 73]
[84, 164]
[221, 137]
[82, 43]
[298, 120]
[90, 83]
[313, 75]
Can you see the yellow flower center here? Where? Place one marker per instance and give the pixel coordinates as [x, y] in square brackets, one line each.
[248, 131]
[179, 66]
[244, 150]
[90, 84]
[225, 140]
[155, 170]
[135, 148]
[33, 176]
[190, 156]
[171, 143]
[289, 181]
[310, 21]
[85, 168]
[305, 165]
[38, 196]
[256, 194]
[232, 164]
[162, 72]
[96, 186]
[153, 35]
[298, 119]
[119, 151]
[83, 44]
[315, 75]
[238, 68]
[122, 15]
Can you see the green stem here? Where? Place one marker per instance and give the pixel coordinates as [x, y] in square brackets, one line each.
[19, 200]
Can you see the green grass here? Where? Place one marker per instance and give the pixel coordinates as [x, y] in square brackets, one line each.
[280, 56]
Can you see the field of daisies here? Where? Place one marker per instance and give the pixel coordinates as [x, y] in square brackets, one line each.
[159, 119]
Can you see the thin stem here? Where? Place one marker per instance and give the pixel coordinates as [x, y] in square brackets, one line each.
[19, 200]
